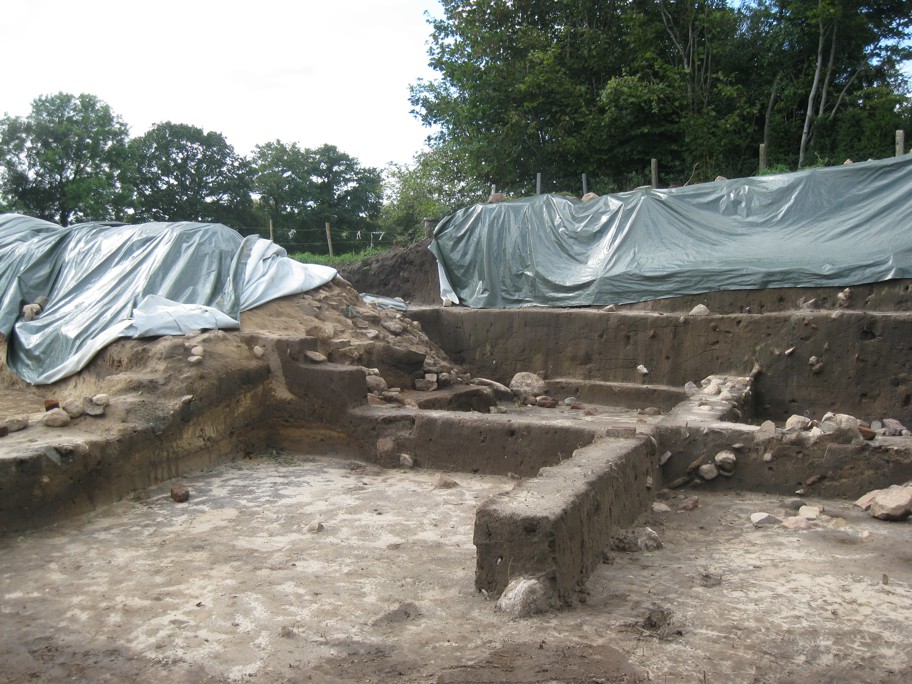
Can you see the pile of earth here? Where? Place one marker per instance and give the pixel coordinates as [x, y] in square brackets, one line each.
[153, 375]
[406, 272]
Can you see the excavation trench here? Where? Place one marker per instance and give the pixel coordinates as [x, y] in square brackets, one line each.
[583, 470]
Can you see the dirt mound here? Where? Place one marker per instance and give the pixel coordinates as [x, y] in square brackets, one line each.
[408, 272]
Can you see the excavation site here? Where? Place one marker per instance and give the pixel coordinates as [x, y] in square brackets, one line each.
[420, 469]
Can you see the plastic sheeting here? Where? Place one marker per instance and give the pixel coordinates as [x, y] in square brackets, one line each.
[103, 282]
[836, 226]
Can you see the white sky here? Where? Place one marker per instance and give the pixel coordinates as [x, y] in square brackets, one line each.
[305, 71]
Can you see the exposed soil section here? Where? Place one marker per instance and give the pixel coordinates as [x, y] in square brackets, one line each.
[406, 272]
[242, 584]
[286, 565]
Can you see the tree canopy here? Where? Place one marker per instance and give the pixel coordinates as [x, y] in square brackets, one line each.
[564, 87]
[181, 172]
[60, 163]
[301, 190]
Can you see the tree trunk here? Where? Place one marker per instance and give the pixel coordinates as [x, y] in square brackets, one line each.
[812, 96]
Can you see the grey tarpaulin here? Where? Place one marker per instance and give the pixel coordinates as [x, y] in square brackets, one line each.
[843, 225]
[103, 282]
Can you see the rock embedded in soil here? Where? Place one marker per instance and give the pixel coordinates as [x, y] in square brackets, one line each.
[708, 471]
[523, 597]
[180, 494]
[699, 310]
[74, 407]
[444, 482]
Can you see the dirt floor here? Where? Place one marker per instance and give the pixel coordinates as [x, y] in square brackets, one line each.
[286, 568]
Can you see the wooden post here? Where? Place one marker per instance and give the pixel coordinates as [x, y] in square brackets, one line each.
[762, 157]
[900, 143]
[538, 183]
[654, 167]
[585, 185]
[329, 239]
[270, 230]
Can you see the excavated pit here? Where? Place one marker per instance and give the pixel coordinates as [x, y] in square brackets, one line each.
[581, 471]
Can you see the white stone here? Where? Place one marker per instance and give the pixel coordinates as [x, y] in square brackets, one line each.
[659, 507]
[764, 520]
[642, 370]
[197, 350]
[258, 351]
[699, 310]
[796, 422]
[708, 471]
[101, 400]
[712, 388]
[406, 461]
[527, 384]
[56, 418]
[524, 596]
[194, 360]
[726, 460]
[648, 540]
[73, 407]
[846, 422]
[809, 512]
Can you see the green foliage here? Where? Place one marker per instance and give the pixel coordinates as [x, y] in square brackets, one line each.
[337, 259]
[429, 188]
[182, 173]
[60, 162]
[572, 86]
[301, 190]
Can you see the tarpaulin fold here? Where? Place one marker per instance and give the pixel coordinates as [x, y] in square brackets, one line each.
[836, 226]
[106, 281]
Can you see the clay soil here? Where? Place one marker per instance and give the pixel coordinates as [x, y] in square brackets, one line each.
[287, 568]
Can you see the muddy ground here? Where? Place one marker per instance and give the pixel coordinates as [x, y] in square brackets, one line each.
[287, 568]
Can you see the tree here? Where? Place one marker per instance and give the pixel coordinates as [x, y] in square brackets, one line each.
[179, 172]
[60, 162]
[428, 188]
[301, 190]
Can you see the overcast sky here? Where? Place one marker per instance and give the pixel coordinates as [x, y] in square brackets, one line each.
[305, 71]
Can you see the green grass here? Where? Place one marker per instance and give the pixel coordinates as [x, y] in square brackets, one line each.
[336, 260]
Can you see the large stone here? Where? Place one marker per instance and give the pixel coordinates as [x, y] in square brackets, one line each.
[527, 384]
[56, 418]
[796, 422]
[501, 392]
[726, 460]
[893, 428]
[376, 384]
[524, 596]
[700, 310]
[708, 471]
[893, 503]
[764, 520]
[16, 423]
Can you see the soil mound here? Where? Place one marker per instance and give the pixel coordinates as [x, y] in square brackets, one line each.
[407, 272]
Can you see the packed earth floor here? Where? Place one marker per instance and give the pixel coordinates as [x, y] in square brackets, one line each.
[288, 568]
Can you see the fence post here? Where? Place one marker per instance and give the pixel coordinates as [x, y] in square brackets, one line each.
[538, 183]
[585, 185]
[654, 167]
[762, 157]
[900, 143]
[329, 239]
